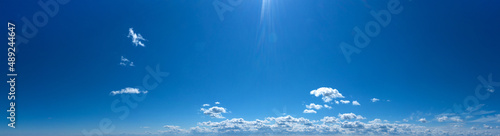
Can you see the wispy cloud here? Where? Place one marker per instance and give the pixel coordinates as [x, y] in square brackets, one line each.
[206, 105]
[126, 62]
[136, 37]
[128, 90]
[375, 100]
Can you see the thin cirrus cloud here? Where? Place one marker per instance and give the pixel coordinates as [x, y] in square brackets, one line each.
[137, 38]
[127, 90]
[327, 94]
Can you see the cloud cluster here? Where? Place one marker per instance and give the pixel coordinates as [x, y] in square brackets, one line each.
[289, 125]
[136, 38]
[127, 90]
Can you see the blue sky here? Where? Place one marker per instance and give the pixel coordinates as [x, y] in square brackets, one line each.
[260, 61]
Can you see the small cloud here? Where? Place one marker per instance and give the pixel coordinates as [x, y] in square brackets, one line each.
[128, 90]
[217, 102]
[337, 102]
[328, 107]
[374, 99]
[355, 103]
[328, 94]
[442, 119]
[309, 111]
[206, 105]
[314, 106]
[136, 38]
[423, 120]
[345, 101]
[144, 127]
[125, 62]
[405, 120]
[214, 112]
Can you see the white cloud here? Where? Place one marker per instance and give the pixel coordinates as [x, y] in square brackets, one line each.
[328, 94]
[217, 102]
[349, 116]
[487, 127]
[423, 120]
[337, 102]
[309, 111]
[314, 106]
[288, 125]
[345, 101]
[128, 90]
[355, 103]
[326, 106]
[442, 119]
[136, 37]
[125, 62]
[214, 112]
[328, 119]
[405, 120]
[490, 118]
[456, 119]
[206, 105]
[374, 99]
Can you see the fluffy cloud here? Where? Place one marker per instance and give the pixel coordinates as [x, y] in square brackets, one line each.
[136, 38]
[374, 99]
[217, 102]
[349, 116]
[214, 112]
[206, 105]
[314, 106]
[345, 101]
[125, 62]
[326, 106]
[127, 90]
[355, 103]
[309, 111]
[423, 120]
[337, 102]
[328, 94]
